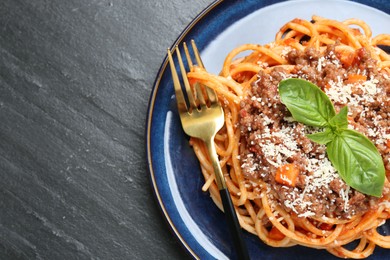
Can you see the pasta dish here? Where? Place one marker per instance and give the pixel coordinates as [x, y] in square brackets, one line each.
[288, 189]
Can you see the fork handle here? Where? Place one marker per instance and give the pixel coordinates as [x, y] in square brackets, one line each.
[234, 225]
[228, 207]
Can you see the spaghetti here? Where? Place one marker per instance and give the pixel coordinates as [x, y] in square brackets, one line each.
[308, 204]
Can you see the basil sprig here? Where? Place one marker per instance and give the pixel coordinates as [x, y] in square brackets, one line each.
[353, 155]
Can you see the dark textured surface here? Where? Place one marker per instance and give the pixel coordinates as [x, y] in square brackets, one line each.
[75, 79]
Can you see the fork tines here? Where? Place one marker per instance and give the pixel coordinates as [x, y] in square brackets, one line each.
[198, 95]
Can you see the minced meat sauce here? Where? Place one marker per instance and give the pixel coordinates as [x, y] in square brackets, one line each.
[272, 138]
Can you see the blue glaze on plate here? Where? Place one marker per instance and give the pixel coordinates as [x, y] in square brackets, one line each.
[174, 170]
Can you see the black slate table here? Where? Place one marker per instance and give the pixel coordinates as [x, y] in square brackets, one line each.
[75, 79]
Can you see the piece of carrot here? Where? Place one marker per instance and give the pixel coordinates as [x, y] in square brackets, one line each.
[287, 174]
[355, 78]
[346, 57]
[275, 234]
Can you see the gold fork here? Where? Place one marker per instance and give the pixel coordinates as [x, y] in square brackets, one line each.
[202, 119]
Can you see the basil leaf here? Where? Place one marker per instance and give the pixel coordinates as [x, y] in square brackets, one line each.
[340, 121]
[322, 137]
[337, 123]
[307, 103]
[353, 155]
[358, 162]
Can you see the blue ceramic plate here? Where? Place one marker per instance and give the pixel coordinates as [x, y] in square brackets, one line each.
[174, 170]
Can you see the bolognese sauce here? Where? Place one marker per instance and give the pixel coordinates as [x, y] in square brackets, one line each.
[272, 139]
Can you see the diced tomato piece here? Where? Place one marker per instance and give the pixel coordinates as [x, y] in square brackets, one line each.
[192, 81]
[275, 234]
[325, 226]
